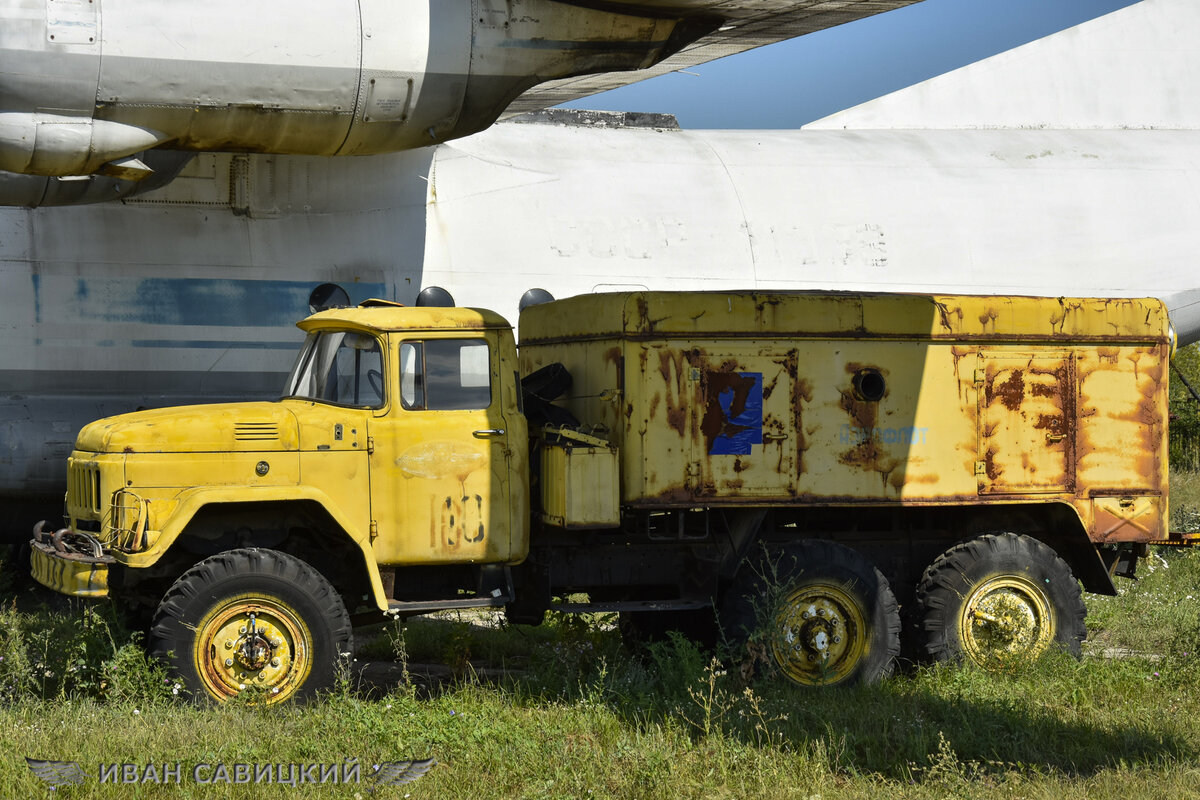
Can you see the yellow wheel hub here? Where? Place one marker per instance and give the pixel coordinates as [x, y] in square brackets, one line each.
[1005, 617]
[819, 635]
[253, 643]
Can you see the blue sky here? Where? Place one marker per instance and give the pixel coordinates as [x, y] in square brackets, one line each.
[788, 84]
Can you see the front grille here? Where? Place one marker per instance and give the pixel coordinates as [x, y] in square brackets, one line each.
[83, 487]
[255, 431]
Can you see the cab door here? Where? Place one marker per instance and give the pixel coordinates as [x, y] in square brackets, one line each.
[440, 461]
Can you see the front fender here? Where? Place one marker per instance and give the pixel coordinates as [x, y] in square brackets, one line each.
[188, 503]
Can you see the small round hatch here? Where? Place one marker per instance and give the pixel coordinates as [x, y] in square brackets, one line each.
[869, 385]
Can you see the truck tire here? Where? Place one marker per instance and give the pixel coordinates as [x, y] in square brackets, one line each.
[998, 598]
[826, 616]
[252, 618]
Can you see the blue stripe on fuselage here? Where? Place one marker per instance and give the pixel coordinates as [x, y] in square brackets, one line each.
[203, 345]
[182, 301]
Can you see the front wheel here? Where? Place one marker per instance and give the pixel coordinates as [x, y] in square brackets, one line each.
[828, 616]
[997, 599]
[252, 619]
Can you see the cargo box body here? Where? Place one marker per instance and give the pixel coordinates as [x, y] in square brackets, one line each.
[781, 399]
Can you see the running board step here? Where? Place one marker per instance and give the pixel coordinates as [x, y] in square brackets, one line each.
[422, 606]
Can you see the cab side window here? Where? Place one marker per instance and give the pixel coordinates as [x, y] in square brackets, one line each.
[445, 375]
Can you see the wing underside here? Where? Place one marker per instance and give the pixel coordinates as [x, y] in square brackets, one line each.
[734, 26]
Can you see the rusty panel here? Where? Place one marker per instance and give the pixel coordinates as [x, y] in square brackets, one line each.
[739, 313]
[845, 315]
[662, 395]
[1027, 423]
[688, 369]
[714, 424]
[1128, 519]
[694, 434]
[915, 443]
[1018, 318]
[1122, 418]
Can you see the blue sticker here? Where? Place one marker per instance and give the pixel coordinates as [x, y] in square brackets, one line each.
[739, 398]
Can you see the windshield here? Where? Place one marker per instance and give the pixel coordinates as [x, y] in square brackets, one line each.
[340, 367]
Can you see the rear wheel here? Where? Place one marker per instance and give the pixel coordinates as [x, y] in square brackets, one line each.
[252, 619]
[828, 616]
[997, 599]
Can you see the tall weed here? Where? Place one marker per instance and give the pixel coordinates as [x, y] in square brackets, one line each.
[83, 650]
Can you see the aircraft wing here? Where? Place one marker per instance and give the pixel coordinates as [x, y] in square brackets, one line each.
[93, 89]
[735, 27]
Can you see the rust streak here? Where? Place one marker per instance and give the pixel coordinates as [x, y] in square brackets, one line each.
[990, 466]
[1011, 392]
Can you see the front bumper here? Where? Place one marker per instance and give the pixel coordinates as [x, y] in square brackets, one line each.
[56, 562]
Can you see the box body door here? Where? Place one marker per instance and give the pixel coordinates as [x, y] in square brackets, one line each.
[1026, 423]
[747, 438]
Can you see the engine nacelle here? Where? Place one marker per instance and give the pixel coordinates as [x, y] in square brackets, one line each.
[84, 84]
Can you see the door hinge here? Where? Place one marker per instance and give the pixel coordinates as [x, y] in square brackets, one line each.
[980, 377]
[981, 468]
[370, 445]
[374, 530]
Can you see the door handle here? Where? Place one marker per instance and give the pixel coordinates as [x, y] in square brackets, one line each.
[488, 433]
[1055, 437]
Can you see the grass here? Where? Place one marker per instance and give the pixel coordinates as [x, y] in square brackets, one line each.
[565, 710]
[1185, 501]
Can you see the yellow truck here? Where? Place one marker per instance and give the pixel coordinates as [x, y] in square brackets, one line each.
[812, 464]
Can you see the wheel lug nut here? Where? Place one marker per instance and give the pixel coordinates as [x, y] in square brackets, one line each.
[274, 662]
[229, 662]
[837, 640]
[811, 657]
[820, 612]
[229, 644]
[242, 629]
[262, 674]
[805, 615]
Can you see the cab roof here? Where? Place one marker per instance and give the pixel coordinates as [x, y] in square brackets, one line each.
[382, 315]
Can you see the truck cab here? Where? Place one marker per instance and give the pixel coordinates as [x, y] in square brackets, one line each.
[431, 408]
[398, 441]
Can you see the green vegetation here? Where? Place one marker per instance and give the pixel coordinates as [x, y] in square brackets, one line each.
[1185, 410]
[565, 710]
